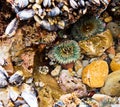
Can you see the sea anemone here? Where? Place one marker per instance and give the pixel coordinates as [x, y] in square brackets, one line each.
[86, 27]
[66, 52]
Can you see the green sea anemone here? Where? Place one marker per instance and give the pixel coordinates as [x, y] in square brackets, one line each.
[66, 52]
[86, 27]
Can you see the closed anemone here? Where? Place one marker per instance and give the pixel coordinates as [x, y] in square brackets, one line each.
[66, 52]
[86, 27]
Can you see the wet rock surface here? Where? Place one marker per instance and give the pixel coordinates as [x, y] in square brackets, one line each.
[112, 84]
[95, 74]
[31, 75]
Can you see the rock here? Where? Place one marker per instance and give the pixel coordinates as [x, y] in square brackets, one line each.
[85, 62]
[70, 100]
[112, 84]
[79, 72]
[56, 71]
[108, 19]
[95, 73]
[78, 68]
[69, 83]
[115, 63]
[28, 59]
[111, 56]
[114, 28]
[46, 99]
[105, 100]
[95, 46]
[78, 65]
[101, 97]
[111, 50]
[29, 80]
[50, 82]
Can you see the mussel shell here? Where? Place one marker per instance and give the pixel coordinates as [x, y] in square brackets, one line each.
[3, 83]
[3, 77]
[12, 27]
[59, 104]
[29, 94]
[25, 14]
[17, 78]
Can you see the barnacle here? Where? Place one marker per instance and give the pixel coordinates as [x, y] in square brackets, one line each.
[31, 34]
[66, 52]
[47, 37]
[53, 15]
[86, 27]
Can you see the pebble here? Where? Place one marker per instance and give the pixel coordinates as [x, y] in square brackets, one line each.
[111, 50]
[29, 80]
[70, 100]
[39, 84]
[79, 72]
[108, 19]
[105, 100]
[43, 70]
[51, 63]
[85, 62]
[111, 56]
[93, 59]
[56, 71]
[95, 73]
[115, 63]
[101, 97]
[114, 28]
[78, 65]
[112, 84]
[69, 83]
